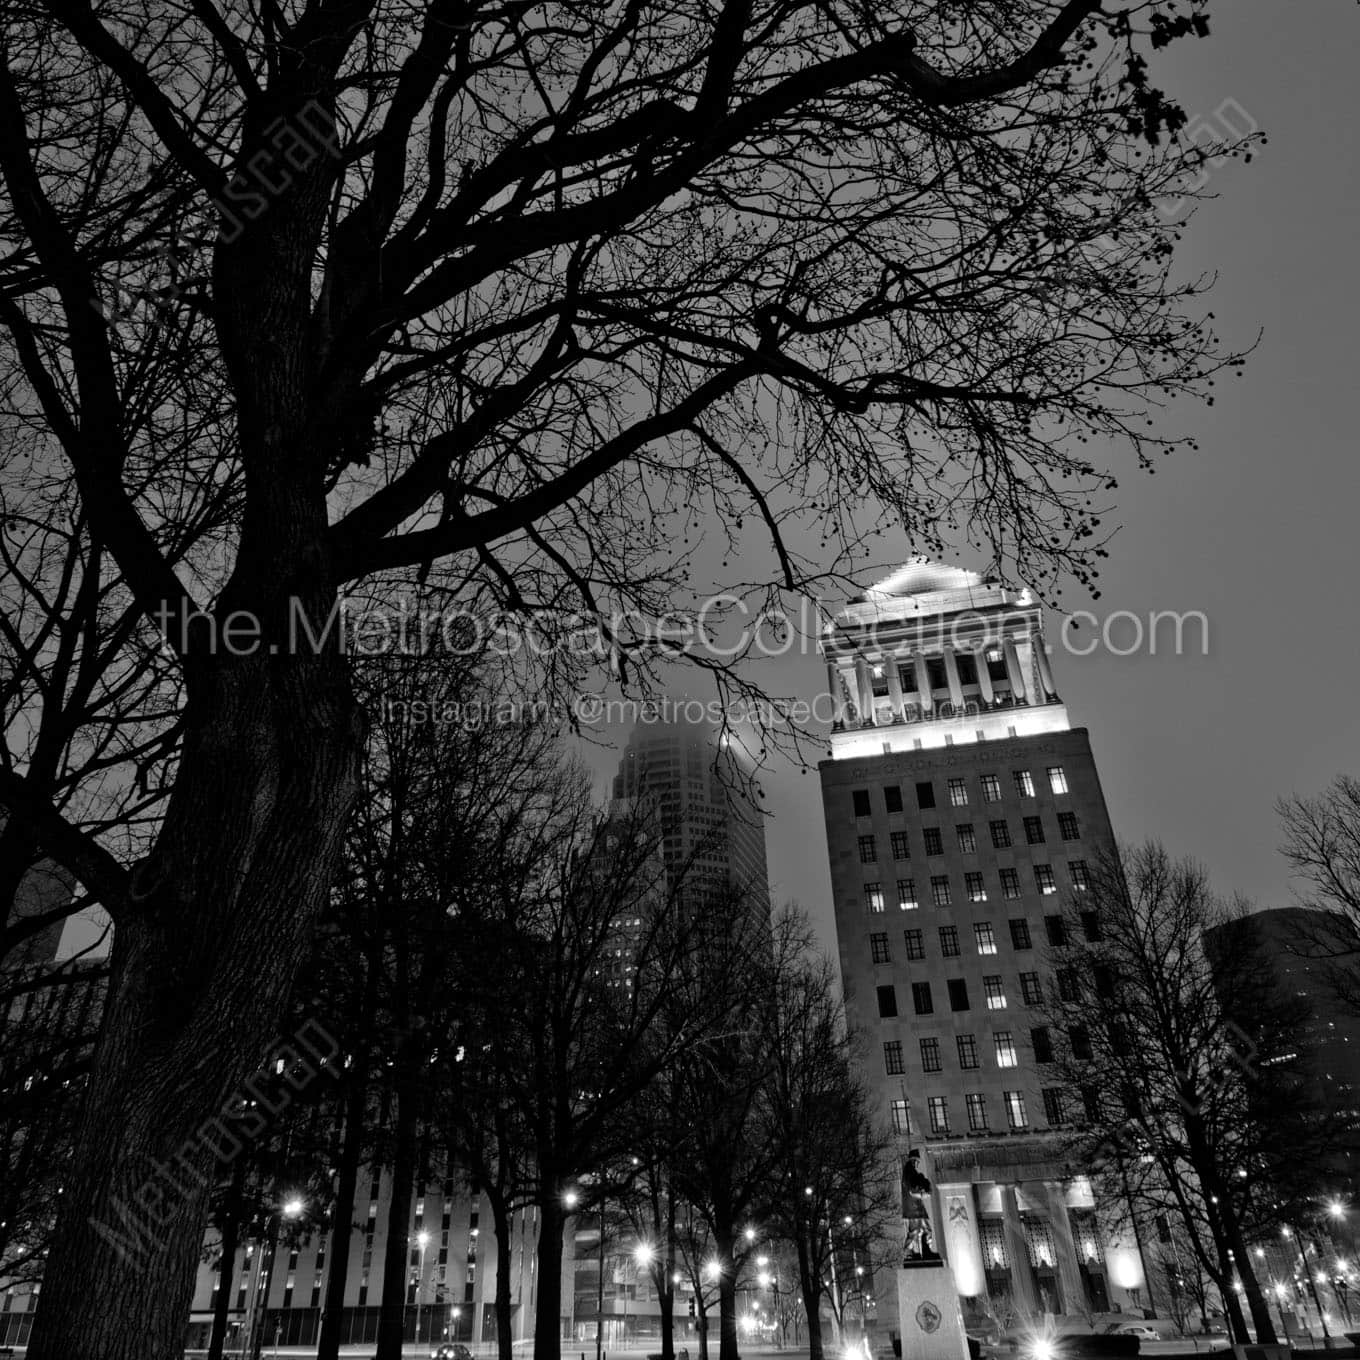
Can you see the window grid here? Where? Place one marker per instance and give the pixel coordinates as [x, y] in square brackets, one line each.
[958, 793]
[977, 1112]
[934, 841]
[967, 838]
[878, 947]
[949, 942]
[968, 1057]
[1004, 1045]
[1077, 872]
[868, 851]
[1010, 884]
[1053, 1104]
[1024, 783]
[921, 1000]
[1034, 830]
[991, 788]
[995, 992]
[975, 887]
[1057, 779]
[939, 1114]
[914, 941]
[1044, 880]
[873, 896]
[1001, 834]
[1031, 993]
[901, 1117]
[939, 890]
[1015, 1109]
[1068, 828]
[892, 1058]
[1020, 937]
[906, 894]
[900, 847]
[985, 937]
[930, 1055]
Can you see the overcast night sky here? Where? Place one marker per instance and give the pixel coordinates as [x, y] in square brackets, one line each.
[1256, 530]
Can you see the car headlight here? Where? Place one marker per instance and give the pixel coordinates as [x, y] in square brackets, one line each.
[1043, 1350]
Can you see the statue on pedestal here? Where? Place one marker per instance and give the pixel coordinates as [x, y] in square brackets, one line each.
[920, 1238]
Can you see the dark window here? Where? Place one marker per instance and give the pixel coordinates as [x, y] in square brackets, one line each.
[975, 887]
[1069, 985]
[939, 889]
[939, 1114]
[1080, 1040]
[925, 794]
[861, 797]
[1067, 826]
[1043, 1044]
[1090, 1100]
[977, 1112]
[968, 1058]
[967, 668]
[949, 942]
[967, 840]
[920, 998]
[958, 994]
[868, 851]
[1001, 835]
[892, 798]
[996, 667]
[887, 1002]
[1057, 930]
[1053, 1104]
[1102, 979]
[907, 676]
[1034, 830]
[915, 943]
[935, 669]
[892, 1058]
[1010, 883]
[878, 946]
[906, 894]
[934, 841]
[991, 788]
[1076, 870]
[1090, 925]
[1020, 933]
[930, 1055]
[1030, 990]
[900, 848]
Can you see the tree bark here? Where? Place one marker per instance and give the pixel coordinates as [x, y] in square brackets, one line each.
[811, 1289]
[392, 1314]
[727, 1293]
[201, 970]
[547, 1317]
[226, 1272]
[500, 1222]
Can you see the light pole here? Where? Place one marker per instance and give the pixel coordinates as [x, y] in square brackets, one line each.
[642, 1255]
[1312, 1284]
[423, 1239]
[253, 1341]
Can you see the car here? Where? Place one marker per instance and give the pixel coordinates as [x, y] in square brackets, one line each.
[451, 1350]
[1139, 1329]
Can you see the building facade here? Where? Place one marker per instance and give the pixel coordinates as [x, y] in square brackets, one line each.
[962, 812]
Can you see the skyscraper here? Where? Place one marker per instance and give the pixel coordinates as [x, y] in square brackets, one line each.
[962, 810]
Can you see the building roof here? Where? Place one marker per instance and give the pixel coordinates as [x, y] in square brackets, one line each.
[921, 576]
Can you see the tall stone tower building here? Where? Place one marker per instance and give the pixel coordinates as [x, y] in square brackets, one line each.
[963, 811]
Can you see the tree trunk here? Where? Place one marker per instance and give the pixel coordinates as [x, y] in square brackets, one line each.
[727, 1295]
[232, 1211]
[811, 1288]
[701, 1318]
[392, 1314]
[347, 1185]
[547, 1317]
[500, 1222]
[666, 1299]
[201, 968]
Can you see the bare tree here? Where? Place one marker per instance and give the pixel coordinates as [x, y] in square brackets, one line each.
[1185, 1052]
[518, 287]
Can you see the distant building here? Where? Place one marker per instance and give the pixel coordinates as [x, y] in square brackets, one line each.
[962, 809]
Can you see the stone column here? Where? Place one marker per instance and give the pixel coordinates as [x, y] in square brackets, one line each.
[962, 1241]
[951, 671]
[1017, 1248]
[923, 683]
[1045, 671]
[836, 689]
[895, 689]
[865, 689]
[984, 677]
[1015, 671]
[1064, 1249]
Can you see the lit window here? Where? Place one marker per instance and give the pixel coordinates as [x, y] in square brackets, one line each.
[892, 1058]
[1030, 991]
[1020, 933]
[1010, 883]
[868, 852]
[861, 800]
[996, 996]
[1043, 879]
[930, 1055]
[873, 896]
[939, 890]
[975, 887]
[1067, 826]
[934, 841]
[1001, 835]
[968, 1058]
[921, 999]
[1057, 780]
[901, 1117]
[878, 946]
[887, 1002]
[1005, 1048]
[991, 788]
[939, 1114]
[915, 943]
[958, 793]
[1024, 783]
[1076, 870]
[1034, 830]
[900, 849]
[949, 942]
[906, 894]
[986, 939]
[1015, 1109]
[977, 1112]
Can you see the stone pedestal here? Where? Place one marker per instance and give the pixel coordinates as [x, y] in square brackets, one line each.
[928, 1312]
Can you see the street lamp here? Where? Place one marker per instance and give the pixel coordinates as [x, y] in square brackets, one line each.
[293, 1207]
[423, 1240]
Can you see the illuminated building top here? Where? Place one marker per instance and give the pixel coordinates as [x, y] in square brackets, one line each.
[934, 655]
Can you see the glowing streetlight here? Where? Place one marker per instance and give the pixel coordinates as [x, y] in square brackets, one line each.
[1336, 1209]
[644, 1253]
[750, 1234]
[294, 1207]
[712, 1269]
[422, 1241]
[571, 1199]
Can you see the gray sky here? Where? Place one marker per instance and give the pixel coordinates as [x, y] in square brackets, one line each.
[1256, 529]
